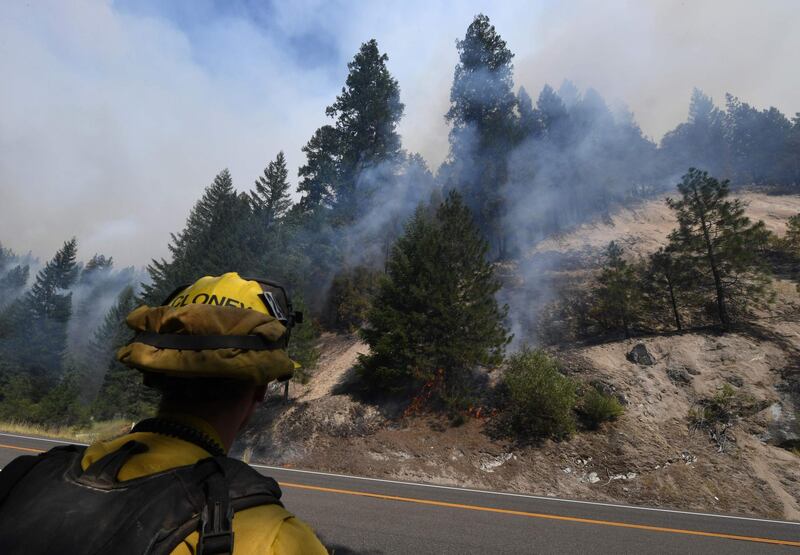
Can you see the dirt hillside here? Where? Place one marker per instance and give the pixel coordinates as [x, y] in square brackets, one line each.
[650, 456]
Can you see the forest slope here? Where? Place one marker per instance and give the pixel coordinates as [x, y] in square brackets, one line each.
[651, 455]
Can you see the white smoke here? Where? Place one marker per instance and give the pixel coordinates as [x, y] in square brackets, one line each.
[114, 116]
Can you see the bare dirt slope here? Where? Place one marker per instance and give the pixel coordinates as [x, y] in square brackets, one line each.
[650, 456]
[642, 228]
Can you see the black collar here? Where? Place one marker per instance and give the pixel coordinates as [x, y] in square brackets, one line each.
[182, 431]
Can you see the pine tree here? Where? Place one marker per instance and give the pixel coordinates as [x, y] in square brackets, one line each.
[367, 113]
[700, 141]
[554, 116]
[12, 283]
[121, 391]
[303, 346]
[719, 242]
[97, 264]
[38, 336]
[49, 297]
[792, 238]
[791, 152]
[96, 286]
[530, 124]
[435, 317]
[7, 258]
[757, 141]
[484, 122]
[319, 177]
[271, 200]
[569, 93]
[667, 277]
[618, 297]
[214, 241]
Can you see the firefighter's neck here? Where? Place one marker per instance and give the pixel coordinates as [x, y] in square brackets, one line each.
[229, 420]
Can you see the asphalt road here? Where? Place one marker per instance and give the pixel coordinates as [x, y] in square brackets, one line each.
[363, 515]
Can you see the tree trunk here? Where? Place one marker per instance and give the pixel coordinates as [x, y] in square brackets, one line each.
[625, 324]
[721, 308]
[674, 305]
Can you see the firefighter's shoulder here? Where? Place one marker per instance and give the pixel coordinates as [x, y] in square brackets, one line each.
[265, 530]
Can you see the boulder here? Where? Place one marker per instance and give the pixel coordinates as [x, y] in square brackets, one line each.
[610, 390]
[678, 374]
[640, 355]
[734, 380]
[782, 425]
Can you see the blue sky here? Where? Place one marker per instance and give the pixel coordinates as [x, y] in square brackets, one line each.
[115, 115]
[310, 44]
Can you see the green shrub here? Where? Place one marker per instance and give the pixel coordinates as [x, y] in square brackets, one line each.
[596, 407]
[61, 405]
[303, 344]
[350, 298]
[717, 415]
[539, 398]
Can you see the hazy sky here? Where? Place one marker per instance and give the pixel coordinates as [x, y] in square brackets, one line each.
[115, 115]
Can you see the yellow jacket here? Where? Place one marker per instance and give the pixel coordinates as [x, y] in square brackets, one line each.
[264, 530]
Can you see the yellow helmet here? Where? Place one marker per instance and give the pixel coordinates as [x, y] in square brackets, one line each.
[218, 327]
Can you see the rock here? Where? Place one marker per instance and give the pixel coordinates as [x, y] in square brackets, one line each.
[678, 375]
[735, 380]
[693, 371]
[489, 463]
[593, 478]
[640, 355]
[610, 390]
[782, 425]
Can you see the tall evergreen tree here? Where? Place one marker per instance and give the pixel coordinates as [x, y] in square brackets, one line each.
[121, 391]
[791, 161]
[49, 297]
[212, 242]
[97, 264]
[668, 280]
[38, 322]
[757, 142]
[700, 141]
[270, 199]
[483, 119]
[530, 124]
[96, 286]
[569, 93]
[435, 315]
[554, 116]
[367, 113]
[618, 295]
[792, 238]
[719, 241]
[319, 177]
[12, 282]
[14, 274]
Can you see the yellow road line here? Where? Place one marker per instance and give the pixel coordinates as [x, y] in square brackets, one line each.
[542, 515]
[3, 445]
[511, 512]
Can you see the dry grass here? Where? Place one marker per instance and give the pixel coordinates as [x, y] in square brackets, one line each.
[98, 431]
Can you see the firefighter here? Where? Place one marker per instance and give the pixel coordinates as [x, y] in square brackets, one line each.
[211, 348]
